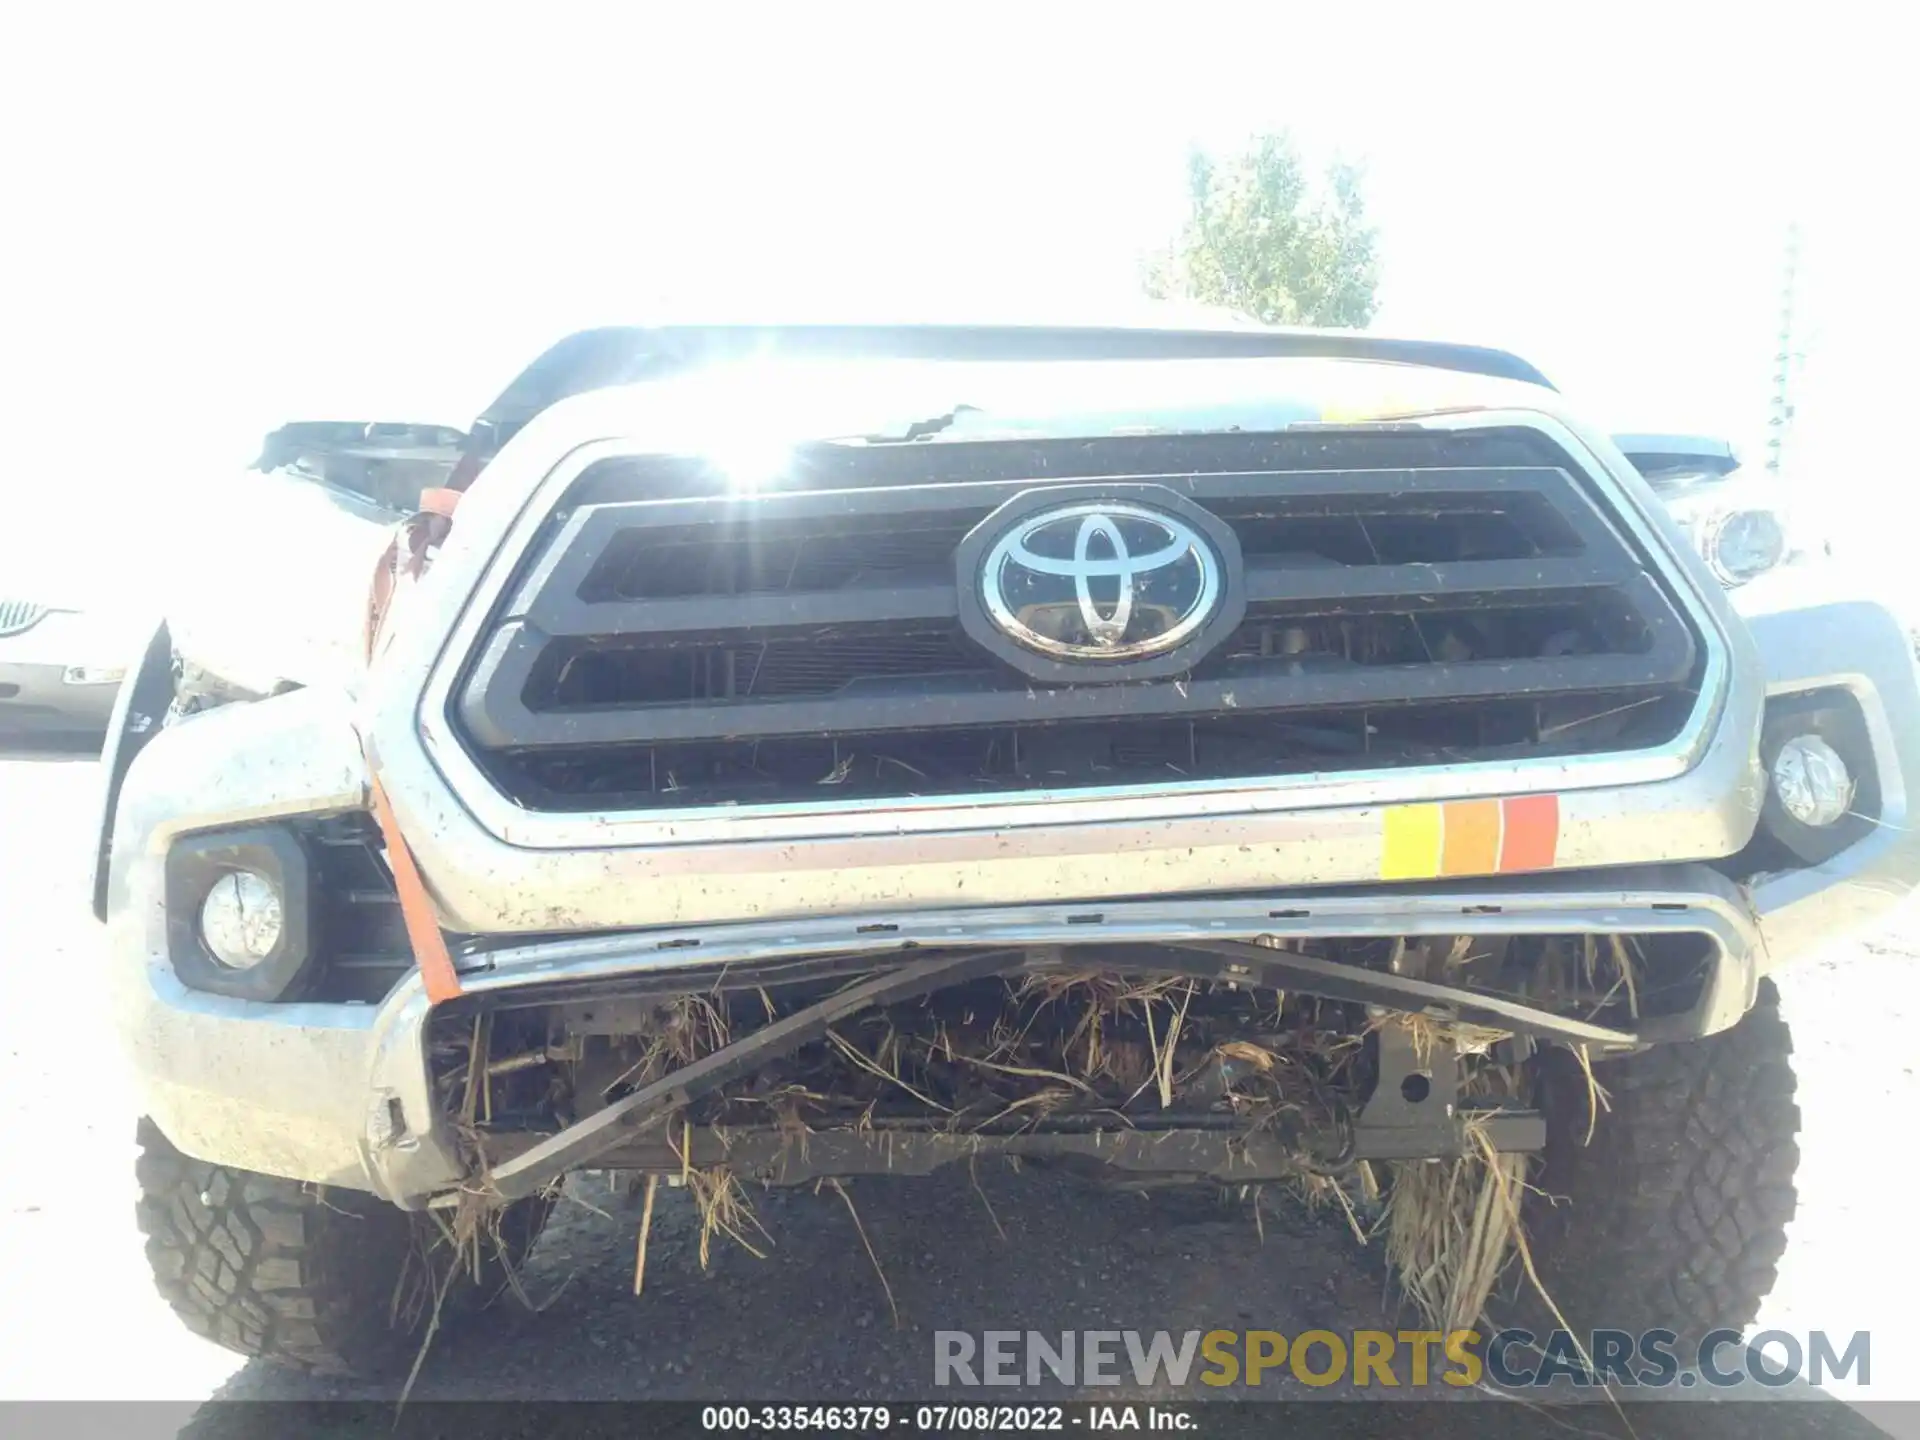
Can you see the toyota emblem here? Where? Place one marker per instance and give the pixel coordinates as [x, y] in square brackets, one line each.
[1101, 580]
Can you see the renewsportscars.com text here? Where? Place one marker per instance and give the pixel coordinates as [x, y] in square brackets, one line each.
[1393, 1359]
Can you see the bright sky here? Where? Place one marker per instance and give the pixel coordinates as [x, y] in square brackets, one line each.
[224, 218]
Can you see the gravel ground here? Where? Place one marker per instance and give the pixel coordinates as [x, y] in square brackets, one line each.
[78, 1317]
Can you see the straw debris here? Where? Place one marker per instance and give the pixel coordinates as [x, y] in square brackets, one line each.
[1450, 1233]
[724, 1210]
[1082, 1049]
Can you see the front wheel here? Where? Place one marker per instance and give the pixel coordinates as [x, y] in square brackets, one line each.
[1674, 1215]
[334, 1282]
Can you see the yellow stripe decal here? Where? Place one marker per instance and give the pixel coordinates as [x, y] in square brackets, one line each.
[1413, 843]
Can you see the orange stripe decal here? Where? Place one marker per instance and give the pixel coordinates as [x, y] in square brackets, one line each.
[1472, 845]
[1532, 832]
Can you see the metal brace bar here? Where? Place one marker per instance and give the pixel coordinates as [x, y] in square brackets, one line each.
[778, 1157]
[601, 1131]
[1290, 970]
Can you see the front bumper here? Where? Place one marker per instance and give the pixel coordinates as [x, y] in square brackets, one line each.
[339, 1093]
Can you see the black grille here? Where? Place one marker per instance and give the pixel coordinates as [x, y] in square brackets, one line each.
[744, 557]
[805, 644]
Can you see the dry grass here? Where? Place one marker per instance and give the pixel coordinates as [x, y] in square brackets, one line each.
[1609, 967]
[1428, 1034]
[1451, 1232]
[1449, 1236]
[646, 1231]
[841, 1191]
[1319, 1192]
[1100, 997]
[1454, 1227]
[724, 1210]
[685, 1028]
[1095, 1042]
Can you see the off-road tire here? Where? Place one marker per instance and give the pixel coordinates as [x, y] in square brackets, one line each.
[1674, 1215]
[300, 1275]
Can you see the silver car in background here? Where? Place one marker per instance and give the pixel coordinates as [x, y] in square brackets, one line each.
[60, 669]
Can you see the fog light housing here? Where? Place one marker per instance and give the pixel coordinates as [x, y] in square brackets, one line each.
[240, 914]
[242, 919]
[1813, 782]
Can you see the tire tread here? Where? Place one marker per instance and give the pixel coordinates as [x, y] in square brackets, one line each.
[1675, 1214]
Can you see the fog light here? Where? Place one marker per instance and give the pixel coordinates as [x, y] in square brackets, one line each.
[242, 919]
[1812, 781]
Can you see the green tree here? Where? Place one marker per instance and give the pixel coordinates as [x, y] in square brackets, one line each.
[1262, 240]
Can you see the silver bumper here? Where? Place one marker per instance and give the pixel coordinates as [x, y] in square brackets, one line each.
[339, 1093]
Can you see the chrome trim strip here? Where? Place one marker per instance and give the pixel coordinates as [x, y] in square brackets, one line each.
[1679, 899]
[1627, 499]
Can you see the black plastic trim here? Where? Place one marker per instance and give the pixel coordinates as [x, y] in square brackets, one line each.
[498, 717]
[1834, 715]
[195, 864]
[139, 710]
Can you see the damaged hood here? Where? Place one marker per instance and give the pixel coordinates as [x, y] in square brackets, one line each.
[500, 375]
[754, 413]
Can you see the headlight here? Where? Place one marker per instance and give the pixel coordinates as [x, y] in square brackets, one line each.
[1741, 545]
[1741, 527]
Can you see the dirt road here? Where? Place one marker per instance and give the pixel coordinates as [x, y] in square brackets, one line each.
[813, 1319]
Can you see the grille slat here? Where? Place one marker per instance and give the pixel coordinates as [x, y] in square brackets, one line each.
[872, 704]
[674, 618]
[362, 936]
[728, 650]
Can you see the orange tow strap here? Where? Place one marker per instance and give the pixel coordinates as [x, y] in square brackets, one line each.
[430, 951]
[406, 557]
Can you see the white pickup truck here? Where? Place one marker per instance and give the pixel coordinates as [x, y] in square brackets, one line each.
[1232, 758]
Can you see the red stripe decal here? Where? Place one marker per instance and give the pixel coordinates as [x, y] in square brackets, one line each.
[1532, 832]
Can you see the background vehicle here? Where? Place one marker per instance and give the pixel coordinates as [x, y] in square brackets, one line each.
[1242, 758]
[60, 669]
